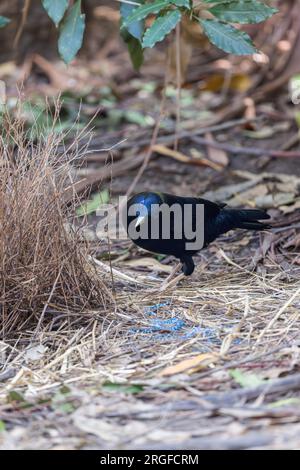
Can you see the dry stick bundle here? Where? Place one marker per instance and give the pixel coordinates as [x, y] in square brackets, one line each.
[43, 267]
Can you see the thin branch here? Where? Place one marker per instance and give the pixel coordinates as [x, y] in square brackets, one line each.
[178, 80]
[25, 11]
[246, 150]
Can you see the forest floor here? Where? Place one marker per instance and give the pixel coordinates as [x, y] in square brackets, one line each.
[212, 362]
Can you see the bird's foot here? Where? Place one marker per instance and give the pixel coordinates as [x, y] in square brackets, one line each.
[188, 265]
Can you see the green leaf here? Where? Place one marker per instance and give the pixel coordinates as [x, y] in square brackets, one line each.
[228, 38]
[64, 390]
[181, 3]
[13, 395]
[246, 380]
[297, 118]
[71, 33]
[2, 426]
[135, 28]
[123, 388]
[91, 206]
[138, 118]
[55, 9]
[66, 408]
[135, 51]
[143, 11]
[161, 27]
[132, 35]
[242, 12]
[61, 401]
[284, 402]
[217, 1]
[4, 21]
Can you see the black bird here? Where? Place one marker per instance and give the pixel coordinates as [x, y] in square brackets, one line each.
[144, 210]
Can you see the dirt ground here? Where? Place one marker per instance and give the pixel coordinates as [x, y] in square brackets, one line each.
[209, 363]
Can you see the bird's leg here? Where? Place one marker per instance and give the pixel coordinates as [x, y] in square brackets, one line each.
[188, 265]
[167, 281]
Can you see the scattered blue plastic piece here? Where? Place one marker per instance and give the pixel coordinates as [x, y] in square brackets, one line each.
[165, 325]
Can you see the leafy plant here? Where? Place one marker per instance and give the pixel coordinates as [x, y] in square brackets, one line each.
[214, 16]
[133, 34]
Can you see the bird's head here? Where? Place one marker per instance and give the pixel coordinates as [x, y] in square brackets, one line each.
[141, 206]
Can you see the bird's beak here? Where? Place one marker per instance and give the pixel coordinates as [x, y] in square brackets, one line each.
[140, 220]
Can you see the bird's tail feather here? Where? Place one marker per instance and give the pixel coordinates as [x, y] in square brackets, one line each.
[249, 219]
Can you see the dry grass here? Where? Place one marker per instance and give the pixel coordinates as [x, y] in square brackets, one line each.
[215, 320]
[43, 266]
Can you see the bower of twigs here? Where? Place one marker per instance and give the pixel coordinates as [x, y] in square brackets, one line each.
[44, 269]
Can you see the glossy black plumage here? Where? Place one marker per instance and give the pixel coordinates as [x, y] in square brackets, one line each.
[218, 219]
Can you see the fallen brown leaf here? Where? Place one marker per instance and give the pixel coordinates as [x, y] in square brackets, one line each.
[191, 365]
[181, 157]
[150, 263]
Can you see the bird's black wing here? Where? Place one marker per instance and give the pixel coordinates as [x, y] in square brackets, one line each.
[211, 212]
